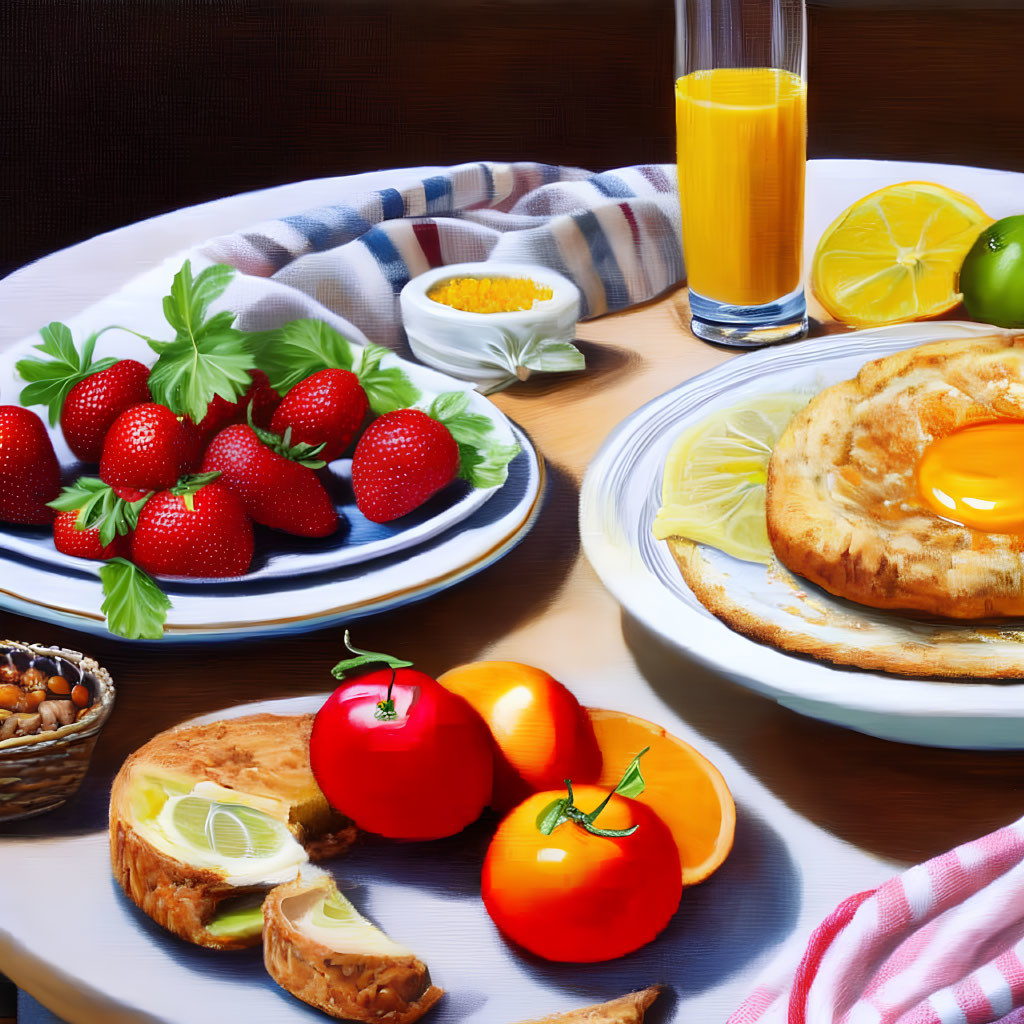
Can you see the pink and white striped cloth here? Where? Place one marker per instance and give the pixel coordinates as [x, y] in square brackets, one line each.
[943, 943]
[615, 234]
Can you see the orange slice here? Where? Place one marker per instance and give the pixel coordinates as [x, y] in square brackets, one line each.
[684, 788]
[895, 255]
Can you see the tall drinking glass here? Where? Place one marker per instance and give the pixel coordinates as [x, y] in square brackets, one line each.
[741, 134]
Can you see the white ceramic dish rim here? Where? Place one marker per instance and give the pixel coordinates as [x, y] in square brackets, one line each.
[761, 667]
[320, 600]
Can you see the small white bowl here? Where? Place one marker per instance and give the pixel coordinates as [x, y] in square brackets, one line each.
[493, 349]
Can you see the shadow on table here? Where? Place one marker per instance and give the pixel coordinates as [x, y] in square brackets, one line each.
[890, 799]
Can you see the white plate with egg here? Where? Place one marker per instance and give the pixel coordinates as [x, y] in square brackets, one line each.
[622, 492]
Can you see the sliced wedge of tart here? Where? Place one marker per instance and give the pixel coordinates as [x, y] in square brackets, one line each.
[206, 819]
[628, 1009]
[317, 946]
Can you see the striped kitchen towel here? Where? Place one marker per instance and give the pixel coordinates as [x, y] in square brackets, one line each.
[943, 943]
[616, 235]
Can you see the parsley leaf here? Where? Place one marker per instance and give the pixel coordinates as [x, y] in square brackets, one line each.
[97, 505]
[482, 460]
[50, 380]
[299, 349]
[186, 307]
[207, 357]
[386, 388]
[135, 607]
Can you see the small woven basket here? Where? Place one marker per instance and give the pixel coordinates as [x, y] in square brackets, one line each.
[40, 772]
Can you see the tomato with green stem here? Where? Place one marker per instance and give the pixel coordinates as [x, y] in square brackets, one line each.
[399, 754]
[569, 887]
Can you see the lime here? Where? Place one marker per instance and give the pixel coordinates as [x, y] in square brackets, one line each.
[992, 275]
[714, 482]
[231, 831]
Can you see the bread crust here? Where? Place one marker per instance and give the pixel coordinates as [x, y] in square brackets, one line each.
[362, 987]
[627, 1009]
[842, 503]
[265, 756]
[903, 654]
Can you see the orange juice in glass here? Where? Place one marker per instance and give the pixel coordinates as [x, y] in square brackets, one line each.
[741, 129]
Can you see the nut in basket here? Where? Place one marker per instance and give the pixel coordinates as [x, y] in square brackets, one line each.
[53, 704]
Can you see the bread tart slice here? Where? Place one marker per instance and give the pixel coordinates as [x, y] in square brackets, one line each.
[206, 819]
[627, 1009]
[317, 946]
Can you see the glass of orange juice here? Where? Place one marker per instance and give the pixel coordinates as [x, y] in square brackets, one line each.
[741, 136]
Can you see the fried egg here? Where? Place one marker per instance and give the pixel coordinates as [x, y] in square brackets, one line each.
[904, 487]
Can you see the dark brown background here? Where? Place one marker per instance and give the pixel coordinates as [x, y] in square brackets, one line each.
[116, 110]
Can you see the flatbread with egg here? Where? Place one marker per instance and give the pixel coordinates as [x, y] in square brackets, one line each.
[903, 488]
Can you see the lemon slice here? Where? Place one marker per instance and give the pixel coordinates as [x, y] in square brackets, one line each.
[210, 827]
[895, 255]
[712, 491]
[230, 831]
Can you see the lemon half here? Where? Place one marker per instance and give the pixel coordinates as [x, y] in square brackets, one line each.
[895, 255]
[714, 482]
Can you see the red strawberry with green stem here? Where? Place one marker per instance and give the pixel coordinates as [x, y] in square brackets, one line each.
[86, 396]
[405, 457]
[327, 408]
[196, 528]
[29, 473]
[274, 479]
[92, 521]
[84, 542]
[146, 449]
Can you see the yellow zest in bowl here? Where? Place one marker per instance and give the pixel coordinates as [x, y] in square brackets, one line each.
[489, 294]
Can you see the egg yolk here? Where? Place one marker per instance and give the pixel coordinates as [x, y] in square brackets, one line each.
[975, 477]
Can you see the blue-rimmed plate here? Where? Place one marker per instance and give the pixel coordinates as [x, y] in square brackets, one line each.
[295, 583]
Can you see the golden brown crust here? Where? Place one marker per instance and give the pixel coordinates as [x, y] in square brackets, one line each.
[842, 503]
[958, 659]
[627, 1009]
[363, 987]
[265, 756]
[181, 898]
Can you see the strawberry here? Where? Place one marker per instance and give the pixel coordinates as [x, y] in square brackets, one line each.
[326, 408]
[86, 395]
[195, 444]
[196, 528]
[92, 405]
[274, 479]
[407, 456]
[29, 474]
[85, 542]
[404, 458]
[221, 413]
[146, 449]
[92, 521]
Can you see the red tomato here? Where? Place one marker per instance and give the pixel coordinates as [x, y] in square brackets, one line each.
[578, 897]
[424, 774]
[541, 733]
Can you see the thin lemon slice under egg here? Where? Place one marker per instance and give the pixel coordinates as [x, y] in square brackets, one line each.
[975, 476]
